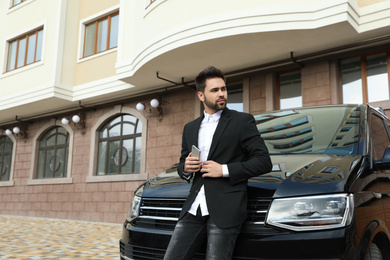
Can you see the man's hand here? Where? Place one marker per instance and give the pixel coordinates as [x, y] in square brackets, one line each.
[192, 164]
[211, 169]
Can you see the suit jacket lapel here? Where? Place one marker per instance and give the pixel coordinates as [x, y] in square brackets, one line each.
[195, 133]
[223, 122]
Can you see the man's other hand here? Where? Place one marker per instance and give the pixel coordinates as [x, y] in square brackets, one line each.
[211, 169]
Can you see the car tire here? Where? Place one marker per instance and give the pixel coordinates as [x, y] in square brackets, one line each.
[374, 253]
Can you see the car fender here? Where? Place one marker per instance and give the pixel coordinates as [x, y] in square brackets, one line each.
[370, 234]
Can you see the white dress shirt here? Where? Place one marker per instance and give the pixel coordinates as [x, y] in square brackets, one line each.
[205, 137]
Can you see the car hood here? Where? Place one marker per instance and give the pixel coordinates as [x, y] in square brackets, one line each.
[292, 175]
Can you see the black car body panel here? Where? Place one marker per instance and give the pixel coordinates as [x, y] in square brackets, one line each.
[313, 167]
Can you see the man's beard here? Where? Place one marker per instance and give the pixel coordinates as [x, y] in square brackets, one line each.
[216, 106]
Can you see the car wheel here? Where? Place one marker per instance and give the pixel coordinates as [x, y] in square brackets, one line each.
[374, 253]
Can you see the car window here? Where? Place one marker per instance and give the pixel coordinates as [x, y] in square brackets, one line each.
[331, 130]
[379, 137]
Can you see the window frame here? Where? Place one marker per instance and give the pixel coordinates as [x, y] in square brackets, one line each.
[12, 3]
[56, 147]
[232, 87]
[363, 74]
[277, 90]
[96, 21]
[25, 36]
[68, 179]
[10, 182]
[110, 140]
[3, 153]
[95, 131]
[14, 8]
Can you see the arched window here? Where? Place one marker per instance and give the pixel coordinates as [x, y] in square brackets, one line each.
[5, 158]
[53, 154]
[120, 146]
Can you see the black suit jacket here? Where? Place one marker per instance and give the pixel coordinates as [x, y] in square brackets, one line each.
[237, 143]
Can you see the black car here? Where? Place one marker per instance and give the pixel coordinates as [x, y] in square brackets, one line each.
[327, 196]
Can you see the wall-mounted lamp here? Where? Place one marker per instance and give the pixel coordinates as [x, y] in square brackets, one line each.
[140, 107]
[8, 132]
[18, 131]
[64, 121]
[154, 103]
[78, 121]
[154, 106]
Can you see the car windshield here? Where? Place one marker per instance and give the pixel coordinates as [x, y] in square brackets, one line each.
[325, 130]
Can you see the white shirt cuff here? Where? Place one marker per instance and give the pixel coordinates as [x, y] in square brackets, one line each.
[225, 171]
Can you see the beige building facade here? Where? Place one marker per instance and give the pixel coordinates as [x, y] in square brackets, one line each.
[101, 60]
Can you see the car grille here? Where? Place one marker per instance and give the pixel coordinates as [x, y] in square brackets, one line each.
[159, 213]
[257, 210]
[138, 252]
[164, 213]
[146, 253]
[133, 252]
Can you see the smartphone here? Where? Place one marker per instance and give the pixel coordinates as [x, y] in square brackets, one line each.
[195, 152]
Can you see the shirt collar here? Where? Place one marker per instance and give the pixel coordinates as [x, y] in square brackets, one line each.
[216, 116]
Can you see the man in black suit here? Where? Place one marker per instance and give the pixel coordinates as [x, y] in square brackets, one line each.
[232, 151]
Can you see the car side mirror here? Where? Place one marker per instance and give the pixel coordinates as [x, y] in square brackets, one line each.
[383, 163]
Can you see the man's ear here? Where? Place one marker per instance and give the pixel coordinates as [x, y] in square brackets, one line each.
[201, 96]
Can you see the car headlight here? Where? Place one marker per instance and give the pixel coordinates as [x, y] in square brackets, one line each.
[135, 204]
[311, 212]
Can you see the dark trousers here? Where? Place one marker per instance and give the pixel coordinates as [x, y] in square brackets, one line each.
[192, 230]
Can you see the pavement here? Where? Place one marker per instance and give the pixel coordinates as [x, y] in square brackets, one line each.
[43, 238]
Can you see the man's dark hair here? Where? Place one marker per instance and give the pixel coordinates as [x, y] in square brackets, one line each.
[207, 73]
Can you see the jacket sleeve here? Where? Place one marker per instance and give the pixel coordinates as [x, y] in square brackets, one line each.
[256, 160]
[184, 153]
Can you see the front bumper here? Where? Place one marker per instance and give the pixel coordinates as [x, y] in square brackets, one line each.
[254, 243]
